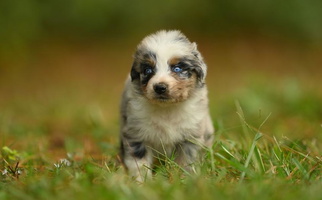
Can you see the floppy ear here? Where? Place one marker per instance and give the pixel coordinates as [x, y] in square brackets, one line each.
[135, 75]
[200, 66]
[200, 73]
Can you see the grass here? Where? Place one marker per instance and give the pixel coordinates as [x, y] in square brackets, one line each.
[244, 163]
[59, 139]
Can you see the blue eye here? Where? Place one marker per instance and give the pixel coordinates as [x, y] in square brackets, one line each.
[177, 69]
[148, 71]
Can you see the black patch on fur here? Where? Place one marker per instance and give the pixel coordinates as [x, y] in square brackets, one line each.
[146, 77]
[200, 75]
[185, 73]
[197, 69]
[143, 54]
[135, 75]
[190, 66]
[150, 55]
[138, 149]
[143, 59]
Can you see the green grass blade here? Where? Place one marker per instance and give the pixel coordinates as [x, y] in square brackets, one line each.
[250, 154]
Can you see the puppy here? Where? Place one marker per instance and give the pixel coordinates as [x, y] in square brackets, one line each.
[164, 108]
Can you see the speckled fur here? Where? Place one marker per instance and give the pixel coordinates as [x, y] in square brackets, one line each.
[174, 123]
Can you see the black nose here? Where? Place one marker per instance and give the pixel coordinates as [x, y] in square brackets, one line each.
[160, 88]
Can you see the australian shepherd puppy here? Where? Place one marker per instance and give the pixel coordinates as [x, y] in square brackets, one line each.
[164, 108]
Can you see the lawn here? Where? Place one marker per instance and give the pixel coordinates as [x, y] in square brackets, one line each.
[59, 125]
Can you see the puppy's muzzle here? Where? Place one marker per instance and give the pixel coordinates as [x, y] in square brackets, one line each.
[160, 88]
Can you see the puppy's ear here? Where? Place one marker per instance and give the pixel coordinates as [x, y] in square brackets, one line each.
[200, 66]
[200, 75]
[135, 75]
[195, 51]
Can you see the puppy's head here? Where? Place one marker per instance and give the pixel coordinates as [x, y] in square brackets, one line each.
[167, 68]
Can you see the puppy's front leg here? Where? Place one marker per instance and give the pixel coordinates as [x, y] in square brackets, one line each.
[186, 156]
[137, 159]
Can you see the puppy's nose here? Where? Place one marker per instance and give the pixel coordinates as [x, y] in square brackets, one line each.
[160, 88]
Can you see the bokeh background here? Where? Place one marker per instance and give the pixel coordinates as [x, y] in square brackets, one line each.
[63, 64]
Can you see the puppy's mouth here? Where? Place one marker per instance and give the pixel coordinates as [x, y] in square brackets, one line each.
[164, 100]
[162, 97]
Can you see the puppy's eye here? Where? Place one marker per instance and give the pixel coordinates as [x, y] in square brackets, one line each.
[177, 68]
[148, 71]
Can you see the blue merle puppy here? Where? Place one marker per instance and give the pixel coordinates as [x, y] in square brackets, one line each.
[164, 109]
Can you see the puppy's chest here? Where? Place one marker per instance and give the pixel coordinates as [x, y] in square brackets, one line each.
[166, 126]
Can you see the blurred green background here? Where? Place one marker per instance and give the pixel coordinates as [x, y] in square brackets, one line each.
[63, 64]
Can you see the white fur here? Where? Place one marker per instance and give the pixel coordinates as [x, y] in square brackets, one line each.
[165, 46]
[163, 43]
[167, 123]
[162, 126]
